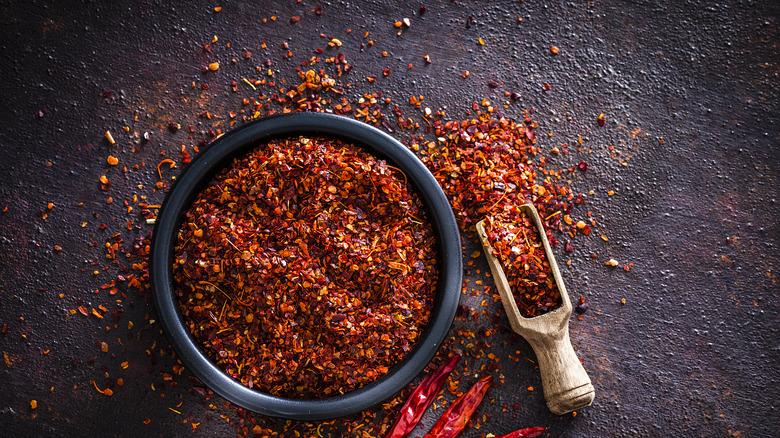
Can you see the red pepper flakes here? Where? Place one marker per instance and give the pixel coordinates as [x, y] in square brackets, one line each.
[168, 161]
[486, 167]
[106, 391]
[314, 272]
[582, 306]
[312, 97]
[519, 248]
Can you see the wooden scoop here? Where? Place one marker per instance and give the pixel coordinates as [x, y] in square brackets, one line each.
[566, 384]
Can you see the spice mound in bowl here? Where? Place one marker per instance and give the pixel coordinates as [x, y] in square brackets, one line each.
[517, 245]
[306, 268]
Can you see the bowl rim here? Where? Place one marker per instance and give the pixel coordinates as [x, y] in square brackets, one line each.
[241, 140]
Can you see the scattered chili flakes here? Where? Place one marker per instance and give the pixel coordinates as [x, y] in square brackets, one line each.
[485, 165]
[33, 404]
[581, 307]
[112, 160]
[554, 50]
[106, 391]
[214, 66]
[168, 161]
[554, 197]
[611, 262]
[329, 252]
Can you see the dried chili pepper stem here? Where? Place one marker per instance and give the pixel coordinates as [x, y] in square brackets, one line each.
[460, 411]
[421, 398]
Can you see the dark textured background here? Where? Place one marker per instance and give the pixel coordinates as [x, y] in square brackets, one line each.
[690, 91]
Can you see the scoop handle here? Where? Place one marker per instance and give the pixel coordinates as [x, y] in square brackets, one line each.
[566, 384]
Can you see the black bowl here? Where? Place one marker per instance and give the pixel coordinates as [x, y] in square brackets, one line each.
[240, 141]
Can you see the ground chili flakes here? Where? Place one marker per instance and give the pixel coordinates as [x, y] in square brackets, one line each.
[486, 166]
[518, 246]
[307, 268]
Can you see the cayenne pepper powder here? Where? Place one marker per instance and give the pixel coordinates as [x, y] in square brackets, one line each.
[518, 246]
[306, 268]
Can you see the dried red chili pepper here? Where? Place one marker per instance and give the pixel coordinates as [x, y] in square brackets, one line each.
[518, 246]
[307, 268]
[421, 398]
[459, 413]
[528, 432]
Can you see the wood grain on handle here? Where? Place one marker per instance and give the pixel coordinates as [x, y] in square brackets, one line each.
[566, 384]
